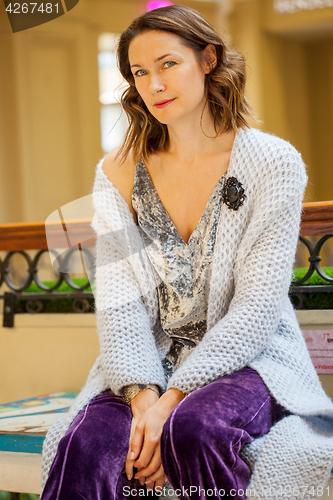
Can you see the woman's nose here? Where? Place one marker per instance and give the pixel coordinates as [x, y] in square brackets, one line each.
[155, 84]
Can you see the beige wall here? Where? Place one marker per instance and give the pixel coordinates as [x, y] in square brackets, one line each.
[290, 81]
[44, 353]
[55, 352]
[50, 123]
[319, 67]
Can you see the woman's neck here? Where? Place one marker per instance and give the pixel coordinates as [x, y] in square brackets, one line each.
[189, 147]
[193, 138]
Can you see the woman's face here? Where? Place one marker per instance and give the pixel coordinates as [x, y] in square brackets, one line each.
[166, 70]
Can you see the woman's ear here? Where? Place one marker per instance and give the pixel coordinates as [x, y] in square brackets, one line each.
[209, 53]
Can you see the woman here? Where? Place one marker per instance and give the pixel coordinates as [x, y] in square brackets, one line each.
[203, 376]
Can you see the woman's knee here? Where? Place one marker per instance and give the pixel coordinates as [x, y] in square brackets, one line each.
[187, 428]
[100, 427]
[92, 451]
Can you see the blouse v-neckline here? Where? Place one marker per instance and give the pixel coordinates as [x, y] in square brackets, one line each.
[207, 206]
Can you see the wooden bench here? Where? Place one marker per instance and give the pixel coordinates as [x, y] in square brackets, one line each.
[23, 426]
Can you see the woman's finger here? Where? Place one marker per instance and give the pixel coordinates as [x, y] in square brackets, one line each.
[128, 463]
[157, 476]
[147, 452]
[159, 484]
[135, 444]
[151, 468]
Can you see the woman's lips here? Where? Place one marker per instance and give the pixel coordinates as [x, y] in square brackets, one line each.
[164, 104]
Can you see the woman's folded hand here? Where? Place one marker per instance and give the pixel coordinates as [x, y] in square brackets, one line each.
[149, 417]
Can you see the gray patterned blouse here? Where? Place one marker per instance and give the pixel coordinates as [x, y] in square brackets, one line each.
[182, 270]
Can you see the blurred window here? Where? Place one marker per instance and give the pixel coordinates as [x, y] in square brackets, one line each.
[111, 85]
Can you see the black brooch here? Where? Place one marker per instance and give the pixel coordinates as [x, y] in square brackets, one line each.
[233, 193]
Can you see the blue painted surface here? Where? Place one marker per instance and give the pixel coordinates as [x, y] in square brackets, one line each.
[21, 443]
[38, 400]
[24, 423]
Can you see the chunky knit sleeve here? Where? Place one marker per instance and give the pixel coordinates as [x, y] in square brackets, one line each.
[262, 276]
[124, 326]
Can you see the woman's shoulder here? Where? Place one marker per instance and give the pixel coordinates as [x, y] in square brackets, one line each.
[268, 142]
[118, 174]
[273, 155]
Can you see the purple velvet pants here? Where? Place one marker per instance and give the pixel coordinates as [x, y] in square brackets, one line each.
[200, 444]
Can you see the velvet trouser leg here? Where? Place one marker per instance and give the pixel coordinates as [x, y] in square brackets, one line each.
[90, 459]
[199, 445]
[204, 434]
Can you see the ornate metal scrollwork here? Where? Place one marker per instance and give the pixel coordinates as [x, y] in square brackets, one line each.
[34, 302]
[296, 289]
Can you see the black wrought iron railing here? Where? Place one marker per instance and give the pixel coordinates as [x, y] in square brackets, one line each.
[25, 291]
[316, 229]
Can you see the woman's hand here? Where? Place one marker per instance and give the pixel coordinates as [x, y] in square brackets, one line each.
[139, 405]
[144, 451]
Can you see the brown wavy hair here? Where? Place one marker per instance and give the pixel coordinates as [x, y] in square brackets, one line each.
[224, 85]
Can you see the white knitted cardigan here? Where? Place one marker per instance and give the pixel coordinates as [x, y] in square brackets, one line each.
[251, 321]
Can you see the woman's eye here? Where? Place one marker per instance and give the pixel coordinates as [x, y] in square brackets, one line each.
[170, 62]
[137, 73]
